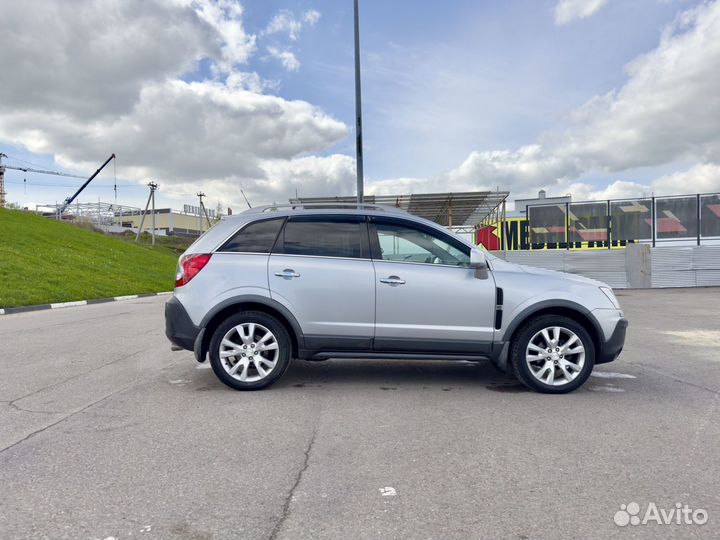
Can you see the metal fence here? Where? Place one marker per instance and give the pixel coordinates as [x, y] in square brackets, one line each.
[612, 223]
[638, 266]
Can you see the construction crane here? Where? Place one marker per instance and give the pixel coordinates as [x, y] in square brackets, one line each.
[67, 201]
[72, 197]
[24, 169]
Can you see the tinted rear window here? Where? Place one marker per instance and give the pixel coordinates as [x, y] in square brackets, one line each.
[337, 237]
[257, 237]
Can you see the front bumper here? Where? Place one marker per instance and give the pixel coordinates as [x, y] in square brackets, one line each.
[179, 329]
[611, 349]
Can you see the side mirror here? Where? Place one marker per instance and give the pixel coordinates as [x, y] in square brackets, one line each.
[477, 259]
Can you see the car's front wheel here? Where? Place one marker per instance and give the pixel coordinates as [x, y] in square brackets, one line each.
[250, 350]
[552, 354]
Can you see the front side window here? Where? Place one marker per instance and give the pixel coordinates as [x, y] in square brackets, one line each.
[405, 243]
[330, 237]
[257, 237]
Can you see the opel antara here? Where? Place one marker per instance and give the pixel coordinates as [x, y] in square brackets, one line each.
[368, 281]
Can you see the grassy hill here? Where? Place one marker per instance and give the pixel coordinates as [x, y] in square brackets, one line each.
[44, 261]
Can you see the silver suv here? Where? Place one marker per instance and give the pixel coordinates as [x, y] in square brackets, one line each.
[367, 281]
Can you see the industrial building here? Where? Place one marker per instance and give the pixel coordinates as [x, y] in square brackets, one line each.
[167, 221]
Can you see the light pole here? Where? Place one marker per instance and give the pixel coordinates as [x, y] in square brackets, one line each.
[358, 111]
[153, 186]
[200, 209]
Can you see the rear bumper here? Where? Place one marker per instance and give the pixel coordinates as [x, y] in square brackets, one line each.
[179, 329]
[612, 348]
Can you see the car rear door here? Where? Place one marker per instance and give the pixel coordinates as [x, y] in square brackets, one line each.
[321, 270]
[428, 299]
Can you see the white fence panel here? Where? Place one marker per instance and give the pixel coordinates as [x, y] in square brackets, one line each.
[670, 266]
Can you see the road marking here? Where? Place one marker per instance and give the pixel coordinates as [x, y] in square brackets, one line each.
[605, 389]
[698, 338]
[612, 375]
[204, 365]
[126, 297]
[68, 304]
[388, 491]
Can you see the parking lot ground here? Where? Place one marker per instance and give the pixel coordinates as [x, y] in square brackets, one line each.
[104, 432]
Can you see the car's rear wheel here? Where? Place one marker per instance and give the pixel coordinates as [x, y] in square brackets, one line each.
[552, 354]
[250, 350]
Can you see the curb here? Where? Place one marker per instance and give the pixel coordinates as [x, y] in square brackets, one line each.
[60, 305]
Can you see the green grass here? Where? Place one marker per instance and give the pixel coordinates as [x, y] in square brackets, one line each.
[43, 261]
[176, 244]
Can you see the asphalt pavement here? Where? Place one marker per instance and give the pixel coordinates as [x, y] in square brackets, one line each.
[104, 432]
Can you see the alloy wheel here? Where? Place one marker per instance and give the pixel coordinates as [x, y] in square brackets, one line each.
[249, 352]
[555, 355]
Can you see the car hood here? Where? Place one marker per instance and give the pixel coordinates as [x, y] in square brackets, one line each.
[548, 273]
[560, 275]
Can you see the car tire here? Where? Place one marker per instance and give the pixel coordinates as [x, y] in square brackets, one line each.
[250, 350]
[552, 354]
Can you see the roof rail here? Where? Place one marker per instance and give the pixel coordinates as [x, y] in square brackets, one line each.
[323, 206]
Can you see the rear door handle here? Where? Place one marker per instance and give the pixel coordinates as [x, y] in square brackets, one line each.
[392, 281]
[288, 273]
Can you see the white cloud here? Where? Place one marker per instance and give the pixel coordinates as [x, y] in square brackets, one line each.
[281, 179]
[182, 131]
[225, 16]
[702, 178]
[311, 176]
[619, 189]
[120, 90]
[287, 58]
[285, 22]
[95, 65]
[567, 11]
[311, 16]
[669, 107]
[102, 92]
[667, 112]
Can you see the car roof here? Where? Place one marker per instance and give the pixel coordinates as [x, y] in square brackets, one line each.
[328, 208]
[270, 211]
[229, 224]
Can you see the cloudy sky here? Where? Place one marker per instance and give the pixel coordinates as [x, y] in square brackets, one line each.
[598, 98]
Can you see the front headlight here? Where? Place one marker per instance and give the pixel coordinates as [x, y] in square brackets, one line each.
[610, 296]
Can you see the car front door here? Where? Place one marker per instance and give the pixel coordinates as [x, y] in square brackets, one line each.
[321, 270]
[428, 298]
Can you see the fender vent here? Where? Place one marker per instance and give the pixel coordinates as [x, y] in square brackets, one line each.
[498, 308]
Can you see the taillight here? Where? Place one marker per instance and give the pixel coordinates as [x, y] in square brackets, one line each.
[189, 267]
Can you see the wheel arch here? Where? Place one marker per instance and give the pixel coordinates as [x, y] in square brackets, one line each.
[565, 308]
[248, 303]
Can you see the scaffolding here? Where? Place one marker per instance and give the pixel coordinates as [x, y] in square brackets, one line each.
[100, 214]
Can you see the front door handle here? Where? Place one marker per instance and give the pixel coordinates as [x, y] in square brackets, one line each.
[288, 273]
[392, 281]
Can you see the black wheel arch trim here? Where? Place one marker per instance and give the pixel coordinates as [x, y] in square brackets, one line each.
[543, 305]
[202, 347]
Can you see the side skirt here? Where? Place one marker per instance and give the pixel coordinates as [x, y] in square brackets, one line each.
[325, 355]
